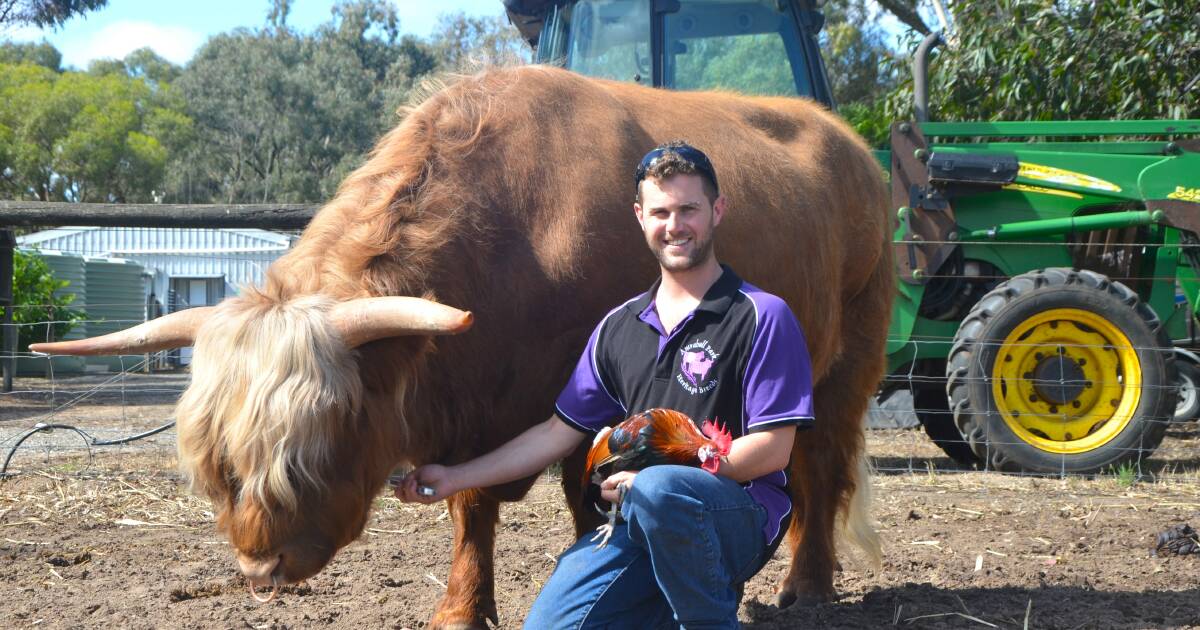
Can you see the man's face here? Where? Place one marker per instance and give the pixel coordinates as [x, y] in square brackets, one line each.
[678, 220]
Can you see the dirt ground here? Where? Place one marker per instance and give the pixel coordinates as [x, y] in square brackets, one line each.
[115, 540]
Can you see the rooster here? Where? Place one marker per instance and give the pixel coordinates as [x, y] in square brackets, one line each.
[650, 438]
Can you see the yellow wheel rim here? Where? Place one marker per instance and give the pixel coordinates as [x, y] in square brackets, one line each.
[1067, 381]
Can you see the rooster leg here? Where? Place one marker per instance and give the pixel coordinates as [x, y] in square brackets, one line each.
[605, 531]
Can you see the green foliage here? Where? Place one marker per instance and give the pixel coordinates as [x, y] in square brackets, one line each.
[1126, 475]
[1045, 60]
[870, 120]
[99, 136]
[862, 69]
[44, 13]
[39, 298]
[281, 115]
[42, 54]
[463, 43]
[267, 114]
[860, 66]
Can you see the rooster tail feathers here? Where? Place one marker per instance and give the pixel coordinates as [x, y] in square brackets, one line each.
[718, 434]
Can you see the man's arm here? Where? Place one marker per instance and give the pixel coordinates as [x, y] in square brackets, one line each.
[752, 456]
[523, 456]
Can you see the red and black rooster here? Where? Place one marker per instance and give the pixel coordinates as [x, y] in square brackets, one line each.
[650, 438]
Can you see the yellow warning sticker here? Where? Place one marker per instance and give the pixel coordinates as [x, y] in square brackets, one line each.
[1044, 191]
[1052, 175]
[1185, 194]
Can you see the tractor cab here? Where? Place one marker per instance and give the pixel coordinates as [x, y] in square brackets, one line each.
[765, 47]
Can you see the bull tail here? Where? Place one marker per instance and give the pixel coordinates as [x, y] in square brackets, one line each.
[856, 524]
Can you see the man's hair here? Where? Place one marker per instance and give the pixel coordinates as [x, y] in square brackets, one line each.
[673, 159]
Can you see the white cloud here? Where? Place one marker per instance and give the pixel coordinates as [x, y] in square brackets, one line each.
[174, 43]
[23, 33]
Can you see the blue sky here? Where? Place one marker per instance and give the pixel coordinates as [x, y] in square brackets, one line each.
[175, 29]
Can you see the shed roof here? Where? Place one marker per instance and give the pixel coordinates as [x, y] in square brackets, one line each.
[112, 241]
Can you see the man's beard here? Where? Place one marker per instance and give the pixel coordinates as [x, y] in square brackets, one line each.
[699, 254]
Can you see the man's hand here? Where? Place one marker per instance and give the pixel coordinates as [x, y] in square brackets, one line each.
[439, 478]
[608, 488]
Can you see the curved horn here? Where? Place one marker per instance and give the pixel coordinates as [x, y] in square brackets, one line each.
[170, 331]
[367, 319]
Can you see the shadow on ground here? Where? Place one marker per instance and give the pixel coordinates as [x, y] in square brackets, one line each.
[1051, 607]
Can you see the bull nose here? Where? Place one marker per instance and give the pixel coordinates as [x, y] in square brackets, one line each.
[258, 570]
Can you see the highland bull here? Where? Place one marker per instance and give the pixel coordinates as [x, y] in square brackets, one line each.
[508, 195]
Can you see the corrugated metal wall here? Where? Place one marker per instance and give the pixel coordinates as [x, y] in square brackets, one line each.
[116, 300]
[67, 267]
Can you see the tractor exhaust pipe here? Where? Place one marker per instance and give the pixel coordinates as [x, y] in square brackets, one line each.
[921, 76]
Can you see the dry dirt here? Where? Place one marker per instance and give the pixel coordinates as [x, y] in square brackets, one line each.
[115, 540]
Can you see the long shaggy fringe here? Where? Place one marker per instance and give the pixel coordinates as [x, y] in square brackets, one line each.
[272, 384]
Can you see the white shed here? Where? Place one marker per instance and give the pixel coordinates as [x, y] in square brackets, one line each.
[185, 267]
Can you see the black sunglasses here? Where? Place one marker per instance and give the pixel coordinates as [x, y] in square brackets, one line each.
[689, 154]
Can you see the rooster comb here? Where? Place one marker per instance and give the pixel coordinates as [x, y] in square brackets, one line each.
[719, 434]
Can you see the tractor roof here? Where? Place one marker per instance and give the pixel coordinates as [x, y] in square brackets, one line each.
[529, 15]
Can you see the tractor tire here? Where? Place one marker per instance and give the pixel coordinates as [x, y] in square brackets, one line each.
[1187, 405]
[1061, 371]
[933, 410]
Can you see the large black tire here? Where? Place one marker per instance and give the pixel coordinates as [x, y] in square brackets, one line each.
[1187, 405]
[1024, 394]
[932, 407]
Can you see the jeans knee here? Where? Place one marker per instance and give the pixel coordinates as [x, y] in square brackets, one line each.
[659, 484]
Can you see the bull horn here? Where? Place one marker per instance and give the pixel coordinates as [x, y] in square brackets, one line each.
[170, 331]
[367, 319]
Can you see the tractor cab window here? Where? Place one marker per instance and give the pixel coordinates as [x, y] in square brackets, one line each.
[748, 46]
[609, 39]
[745, 46]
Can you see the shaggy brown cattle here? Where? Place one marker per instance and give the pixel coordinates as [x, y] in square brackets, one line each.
[509, 194]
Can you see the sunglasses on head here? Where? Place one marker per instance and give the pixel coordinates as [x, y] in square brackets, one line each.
[689, 154]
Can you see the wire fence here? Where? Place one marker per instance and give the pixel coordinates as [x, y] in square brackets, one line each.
[1057, 418]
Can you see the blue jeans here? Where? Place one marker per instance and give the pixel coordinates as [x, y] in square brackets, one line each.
[689, 539]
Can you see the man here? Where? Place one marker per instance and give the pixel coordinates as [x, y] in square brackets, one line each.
[700, 341]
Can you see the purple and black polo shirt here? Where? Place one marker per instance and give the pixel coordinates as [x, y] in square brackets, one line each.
[740, 358]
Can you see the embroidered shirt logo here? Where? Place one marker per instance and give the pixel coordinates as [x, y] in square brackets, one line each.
[696, 366]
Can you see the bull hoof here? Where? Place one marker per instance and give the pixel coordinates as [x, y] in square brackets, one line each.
[788, 597]
[477, 624]
[458, 622]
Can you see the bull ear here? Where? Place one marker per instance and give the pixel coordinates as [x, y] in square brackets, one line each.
[367, 319]
[170, 331]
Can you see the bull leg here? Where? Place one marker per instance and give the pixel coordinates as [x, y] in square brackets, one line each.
[816, 502]
[825, 467]
[470, 593]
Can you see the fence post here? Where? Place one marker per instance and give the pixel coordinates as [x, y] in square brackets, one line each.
[8, 355]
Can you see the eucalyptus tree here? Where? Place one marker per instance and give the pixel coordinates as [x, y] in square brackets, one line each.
[283, 115]
[101, 135]
[1041, 60]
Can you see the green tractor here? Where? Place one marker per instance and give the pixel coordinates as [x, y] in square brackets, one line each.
[1048, 272]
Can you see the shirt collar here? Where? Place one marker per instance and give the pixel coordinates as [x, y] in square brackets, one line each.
[717, 299]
